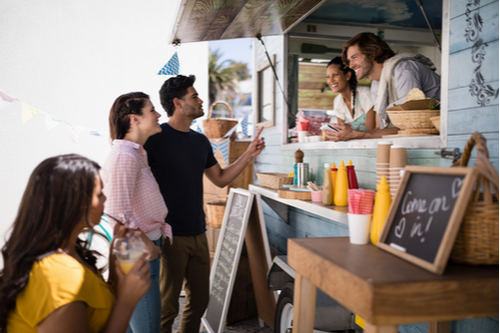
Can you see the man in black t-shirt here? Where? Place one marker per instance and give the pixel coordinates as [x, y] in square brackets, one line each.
[178, 158]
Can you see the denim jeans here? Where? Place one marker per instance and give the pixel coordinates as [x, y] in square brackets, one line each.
[147, 314]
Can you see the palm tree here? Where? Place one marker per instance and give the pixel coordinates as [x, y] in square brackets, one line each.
[223, 77]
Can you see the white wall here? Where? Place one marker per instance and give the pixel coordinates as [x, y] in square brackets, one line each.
[70, 60]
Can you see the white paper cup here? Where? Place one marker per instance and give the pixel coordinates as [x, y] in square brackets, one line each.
[302, 136]
[359, 228]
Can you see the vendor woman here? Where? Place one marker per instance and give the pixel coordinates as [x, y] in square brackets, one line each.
[353, 105]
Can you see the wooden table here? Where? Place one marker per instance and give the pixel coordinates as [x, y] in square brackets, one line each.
[386, 290]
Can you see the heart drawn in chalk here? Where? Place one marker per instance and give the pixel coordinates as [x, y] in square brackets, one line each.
[456, 186]
[400, 228]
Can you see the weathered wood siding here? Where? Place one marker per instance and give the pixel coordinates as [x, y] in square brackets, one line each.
[473, 79]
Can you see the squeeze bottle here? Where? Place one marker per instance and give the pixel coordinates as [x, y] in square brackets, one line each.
[334, 180]
[351, 176]
[341, 186]
[380, 210]
[327, 186]
[299, 155]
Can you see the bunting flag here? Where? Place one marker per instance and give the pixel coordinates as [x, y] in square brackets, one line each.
[75, 132]
[195, 126]
[223, 147]
[244, 125]
[28, 112]
[172, 67]
[214, 146]
[50, 122]
[5, 99]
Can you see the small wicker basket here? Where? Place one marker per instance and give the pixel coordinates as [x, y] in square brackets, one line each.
[215, 128]
[274, 180]
[477, 239]
[409, 119]
[436, 121]
[215, 213]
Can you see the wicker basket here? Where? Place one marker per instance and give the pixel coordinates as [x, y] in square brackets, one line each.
[409, 119]
[215, 213]
[436, 121]
[477, 239]
[274, 180]
[215, 128]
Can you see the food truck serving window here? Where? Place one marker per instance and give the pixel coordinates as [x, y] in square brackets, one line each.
[312, 99]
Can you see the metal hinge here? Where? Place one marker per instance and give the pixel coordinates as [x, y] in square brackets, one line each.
[450, 153]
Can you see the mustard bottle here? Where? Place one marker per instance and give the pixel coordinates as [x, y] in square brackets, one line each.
[380, 210]
[327, 186]
[341, 186]
[333, 170]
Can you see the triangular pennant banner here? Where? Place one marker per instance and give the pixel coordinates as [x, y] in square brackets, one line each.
[224, 149]
[50, 122]
[75, 132]
[244, 125]
[28, 112]
[5, 99]
[214, 146]
[172, 67]
[97, 133]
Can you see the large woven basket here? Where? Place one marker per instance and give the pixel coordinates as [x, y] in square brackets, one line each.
[215, 213]
[215, 128]
[409, 119]
[477, 240]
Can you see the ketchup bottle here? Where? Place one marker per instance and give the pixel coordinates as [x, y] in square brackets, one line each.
[351, 176]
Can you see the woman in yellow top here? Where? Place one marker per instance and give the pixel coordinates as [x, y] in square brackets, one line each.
[49, 282]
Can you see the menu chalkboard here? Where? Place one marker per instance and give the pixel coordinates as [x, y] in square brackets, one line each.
[425, 216]
[227, 257]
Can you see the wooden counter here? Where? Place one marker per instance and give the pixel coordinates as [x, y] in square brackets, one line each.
[386, 290]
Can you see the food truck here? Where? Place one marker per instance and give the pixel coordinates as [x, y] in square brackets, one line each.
[293, 41]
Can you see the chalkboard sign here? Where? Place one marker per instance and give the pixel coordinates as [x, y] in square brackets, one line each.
[425, 217]
[227, 257]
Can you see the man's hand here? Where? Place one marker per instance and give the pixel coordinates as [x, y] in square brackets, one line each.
[257, 144]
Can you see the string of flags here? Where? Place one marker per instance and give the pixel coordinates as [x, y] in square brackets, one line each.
[28, 112]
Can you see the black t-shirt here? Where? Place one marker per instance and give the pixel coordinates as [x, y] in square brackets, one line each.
[178, 161]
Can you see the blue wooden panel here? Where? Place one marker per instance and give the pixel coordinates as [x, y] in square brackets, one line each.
[462, 67]
[489, 32]
[461, 98]
[459, 141]
[483, 120]
[316, 226]
[413, 328]
[483, 325]
[458, 7]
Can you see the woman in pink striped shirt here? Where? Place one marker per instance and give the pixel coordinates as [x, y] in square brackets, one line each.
[134, 195]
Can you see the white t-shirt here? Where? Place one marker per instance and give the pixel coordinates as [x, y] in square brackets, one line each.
[341, 111]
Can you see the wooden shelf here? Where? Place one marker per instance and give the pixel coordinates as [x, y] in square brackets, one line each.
[335, 213]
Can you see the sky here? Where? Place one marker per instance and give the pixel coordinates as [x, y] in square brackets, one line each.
[234, 49]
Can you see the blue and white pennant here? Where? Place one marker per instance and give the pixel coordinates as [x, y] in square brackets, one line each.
[172, 67]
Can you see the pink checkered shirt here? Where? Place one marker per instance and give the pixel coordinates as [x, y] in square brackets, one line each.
[131, 189]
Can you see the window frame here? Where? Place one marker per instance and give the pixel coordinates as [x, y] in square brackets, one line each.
[424, 142]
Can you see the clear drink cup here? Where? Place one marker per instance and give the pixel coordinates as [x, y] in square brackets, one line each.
[127, 251]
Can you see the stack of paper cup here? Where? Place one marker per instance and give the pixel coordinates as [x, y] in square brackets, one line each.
[398, 161]
[383, 159]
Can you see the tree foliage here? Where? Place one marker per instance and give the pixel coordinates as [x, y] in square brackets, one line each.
[223, 77]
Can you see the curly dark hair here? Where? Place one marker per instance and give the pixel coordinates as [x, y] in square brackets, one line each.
[58, 196]
[370, 45]
[175, 87]
[123, 106]
[353, 81]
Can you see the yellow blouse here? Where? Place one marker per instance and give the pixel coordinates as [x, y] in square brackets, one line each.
[57, 280]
